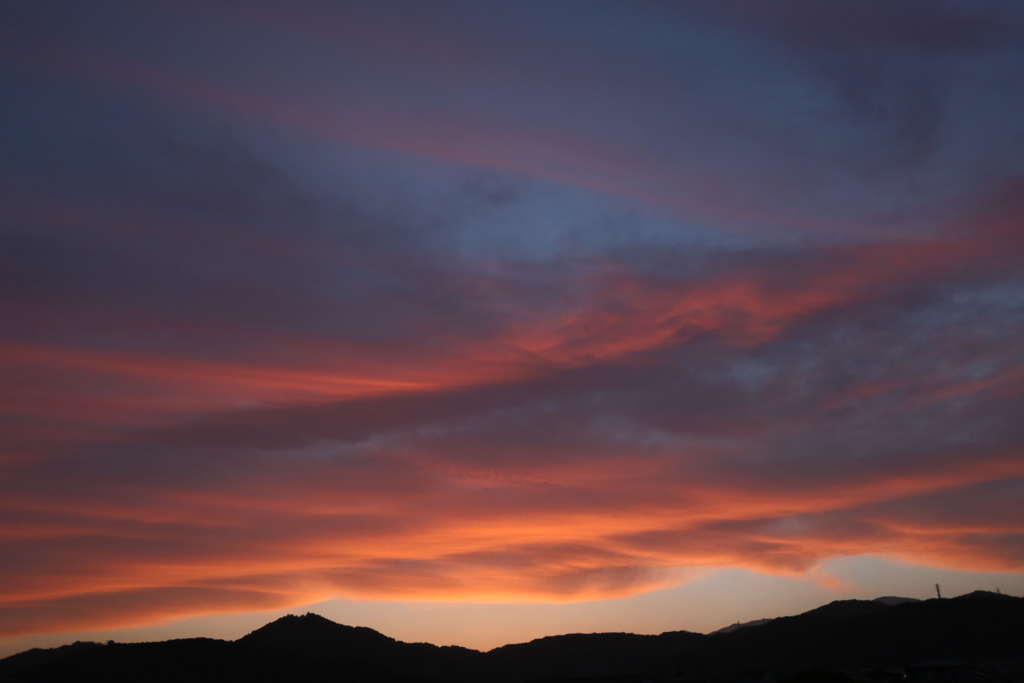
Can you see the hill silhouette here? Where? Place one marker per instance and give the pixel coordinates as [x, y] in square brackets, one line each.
[732, 627]
[836, 643]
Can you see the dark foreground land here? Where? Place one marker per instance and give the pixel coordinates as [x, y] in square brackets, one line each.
[977, 637]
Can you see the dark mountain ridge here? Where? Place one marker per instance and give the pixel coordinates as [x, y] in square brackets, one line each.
[982, 631]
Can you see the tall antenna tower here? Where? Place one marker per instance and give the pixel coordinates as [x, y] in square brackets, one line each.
[938, 592]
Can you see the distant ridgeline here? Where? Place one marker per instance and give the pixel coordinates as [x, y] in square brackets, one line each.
[977, 637]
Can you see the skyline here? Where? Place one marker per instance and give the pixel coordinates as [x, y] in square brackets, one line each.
[525, 315]
[702, 605]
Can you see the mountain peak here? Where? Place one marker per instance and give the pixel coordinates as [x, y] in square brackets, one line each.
[894, 600]
[986, 595]
[314, 631]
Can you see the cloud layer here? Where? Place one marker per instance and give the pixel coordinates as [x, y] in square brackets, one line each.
[501, 302]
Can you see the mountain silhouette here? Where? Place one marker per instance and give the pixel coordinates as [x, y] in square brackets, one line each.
[894, 600]
[361, 652]
[732, 627]
[976, 637]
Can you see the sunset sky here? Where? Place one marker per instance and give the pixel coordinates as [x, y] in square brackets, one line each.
[479, 321]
